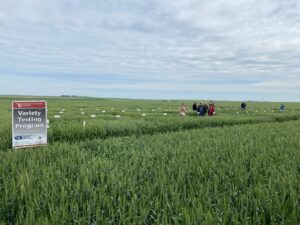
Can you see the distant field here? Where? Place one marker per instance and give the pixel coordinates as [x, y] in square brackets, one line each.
[138, 162]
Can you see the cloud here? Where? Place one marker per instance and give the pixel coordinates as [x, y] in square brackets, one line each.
[176, 44]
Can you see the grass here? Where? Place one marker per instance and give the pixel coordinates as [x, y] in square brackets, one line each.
[229, 169]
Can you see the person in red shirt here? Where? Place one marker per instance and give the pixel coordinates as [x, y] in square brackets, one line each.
[211, 109]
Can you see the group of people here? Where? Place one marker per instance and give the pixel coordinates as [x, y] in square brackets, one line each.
[201, 109]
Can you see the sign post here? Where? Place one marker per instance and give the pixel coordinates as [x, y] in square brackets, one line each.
[29, 124]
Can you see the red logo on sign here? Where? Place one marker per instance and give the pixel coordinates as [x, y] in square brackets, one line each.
[29, 105]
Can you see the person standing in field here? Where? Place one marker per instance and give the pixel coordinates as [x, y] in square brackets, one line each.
[195, 106]
[211, 109]
[199, 108]
[202, 109]
[282, 107]
[205, 108]
[243, 106]
[182, 109]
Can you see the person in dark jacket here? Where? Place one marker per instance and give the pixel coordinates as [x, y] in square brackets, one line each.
[243, 106]
[199, 108]
[195, 106]
[203, 109]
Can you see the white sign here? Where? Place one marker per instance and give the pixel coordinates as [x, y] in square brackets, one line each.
[29, 123]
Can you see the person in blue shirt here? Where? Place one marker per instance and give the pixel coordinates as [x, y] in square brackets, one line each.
[282, 107]
[202, 109]
[199, 108]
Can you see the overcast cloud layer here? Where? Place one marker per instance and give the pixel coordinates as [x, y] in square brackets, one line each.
[221, 49]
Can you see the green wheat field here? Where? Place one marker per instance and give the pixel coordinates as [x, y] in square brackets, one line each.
[138, 162]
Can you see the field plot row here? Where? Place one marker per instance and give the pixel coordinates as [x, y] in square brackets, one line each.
[72, 129]
[114, 117]
[232, 175]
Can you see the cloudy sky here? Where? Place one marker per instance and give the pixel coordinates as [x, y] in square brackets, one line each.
[187, 49]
